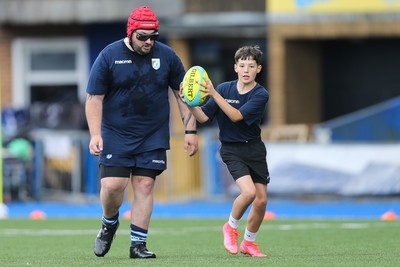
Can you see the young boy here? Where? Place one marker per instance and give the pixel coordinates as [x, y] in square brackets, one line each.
[239, 106]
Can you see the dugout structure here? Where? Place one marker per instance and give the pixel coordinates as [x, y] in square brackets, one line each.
[330, 58]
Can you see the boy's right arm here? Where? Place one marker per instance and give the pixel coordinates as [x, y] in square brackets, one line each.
[196, 111]
[198, 114]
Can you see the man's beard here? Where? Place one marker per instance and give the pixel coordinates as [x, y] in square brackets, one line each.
[139, 50]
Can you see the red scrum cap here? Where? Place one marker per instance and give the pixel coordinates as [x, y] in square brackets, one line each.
[141, 18]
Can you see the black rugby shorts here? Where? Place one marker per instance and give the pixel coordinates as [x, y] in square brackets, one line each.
[246, 159]
[150, 164]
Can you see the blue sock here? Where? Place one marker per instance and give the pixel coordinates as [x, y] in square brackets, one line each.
[111, 222]
[138, 235]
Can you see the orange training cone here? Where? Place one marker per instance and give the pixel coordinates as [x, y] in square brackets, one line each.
[389, 216]
[269, 215]
[37, 215]
[127, 214]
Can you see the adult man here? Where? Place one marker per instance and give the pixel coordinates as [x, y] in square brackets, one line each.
[127, 110]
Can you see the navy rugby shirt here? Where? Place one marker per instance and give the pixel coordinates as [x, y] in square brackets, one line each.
[136, 106]
[251, 105]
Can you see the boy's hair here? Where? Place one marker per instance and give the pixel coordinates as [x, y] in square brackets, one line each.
[249, 52]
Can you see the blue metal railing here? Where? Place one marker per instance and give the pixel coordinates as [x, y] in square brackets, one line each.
[378, 123]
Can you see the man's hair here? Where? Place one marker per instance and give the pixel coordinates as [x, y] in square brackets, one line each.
[249, 52]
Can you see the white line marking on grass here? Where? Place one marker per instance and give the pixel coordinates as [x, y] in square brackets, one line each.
[194, 229]
[355, 225]
[36, 232]
[310, 226]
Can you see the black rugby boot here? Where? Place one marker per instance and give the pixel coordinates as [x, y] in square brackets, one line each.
[139, 251]
[104, 239]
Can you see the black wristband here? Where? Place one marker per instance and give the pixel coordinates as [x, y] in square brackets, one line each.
[191, 132]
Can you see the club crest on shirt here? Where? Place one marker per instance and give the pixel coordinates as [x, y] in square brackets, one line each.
[155, 63]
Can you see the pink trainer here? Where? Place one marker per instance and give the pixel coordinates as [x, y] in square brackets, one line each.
[251, 249]
[230, 238]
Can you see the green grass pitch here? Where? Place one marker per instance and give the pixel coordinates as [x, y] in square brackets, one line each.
[198, 242]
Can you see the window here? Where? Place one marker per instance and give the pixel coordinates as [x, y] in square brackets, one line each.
[49, 70]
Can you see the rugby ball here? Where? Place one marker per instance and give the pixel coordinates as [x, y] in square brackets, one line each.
[191, 86]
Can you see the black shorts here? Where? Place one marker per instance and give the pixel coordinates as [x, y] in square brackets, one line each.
[151, 164]
[246, 159]
[127, 172]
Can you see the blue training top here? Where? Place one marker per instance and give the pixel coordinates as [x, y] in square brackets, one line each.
[136, 105]
[251, 105]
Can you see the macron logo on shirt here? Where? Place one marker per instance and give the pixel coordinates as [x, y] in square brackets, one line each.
[232, 101]
[126, 61]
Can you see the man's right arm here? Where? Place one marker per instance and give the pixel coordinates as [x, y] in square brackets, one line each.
[94, 111]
